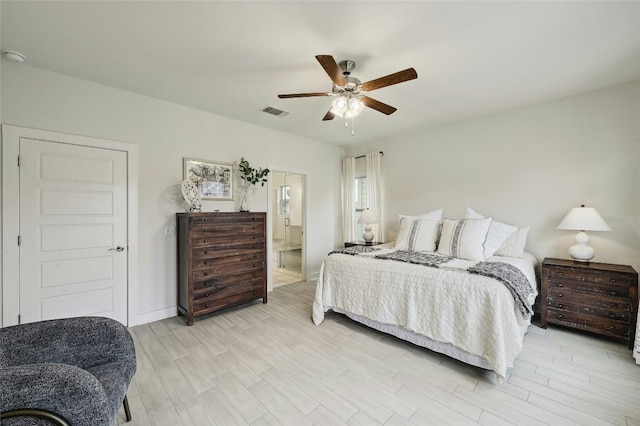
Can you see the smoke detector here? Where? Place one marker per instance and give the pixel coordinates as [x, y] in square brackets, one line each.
[14, 56]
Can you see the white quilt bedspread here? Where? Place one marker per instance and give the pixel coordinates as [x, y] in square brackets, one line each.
[446, 304]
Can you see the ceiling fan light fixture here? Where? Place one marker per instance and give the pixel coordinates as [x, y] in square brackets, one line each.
[339, 106]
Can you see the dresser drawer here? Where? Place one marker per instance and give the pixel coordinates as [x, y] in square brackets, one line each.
[592, 287]
[222, 291]
[618, 309]
[590, 323]
[203, 307]
[228, 269]
[219, 282]
[208, 262]
[208, 239]
[223, 219]
[232, 249]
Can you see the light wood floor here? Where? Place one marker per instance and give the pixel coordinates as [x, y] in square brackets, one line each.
[269, 365]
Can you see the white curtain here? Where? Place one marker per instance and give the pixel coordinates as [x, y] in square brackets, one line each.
[348, 198]
[374, 180]
[636, 346]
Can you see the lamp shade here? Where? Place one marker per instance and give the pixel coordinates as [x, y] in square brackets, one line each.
[584, 219]
[367, 216]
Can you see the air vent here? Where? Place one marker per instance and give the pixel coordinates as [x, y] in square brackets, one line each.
[275, 111]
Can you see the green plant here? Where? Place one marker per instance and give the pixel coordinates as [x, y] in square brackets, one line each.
[251, 175]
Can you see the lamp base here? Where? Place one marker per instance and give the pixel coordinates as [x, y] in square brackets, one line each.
[368, 235]
[581, 251]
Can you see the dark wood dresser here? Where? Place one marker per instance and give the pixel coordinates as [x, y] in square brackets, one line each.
[221, 261]
[600, 298]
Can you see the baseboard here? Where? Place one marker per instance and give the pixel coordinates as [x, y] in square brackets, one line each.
[158, 315]
[313, 277]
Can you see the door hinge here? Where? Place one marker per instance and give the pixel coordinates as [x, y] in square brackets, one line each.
[18, 161]
[19, 240]
[19, 318]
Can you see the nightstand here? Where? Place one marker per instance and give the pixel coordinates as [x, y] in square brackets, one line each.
[596, 297]
[361, 243]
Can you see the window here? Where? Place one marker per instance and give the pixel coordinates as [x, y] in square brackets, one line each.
[361, 202]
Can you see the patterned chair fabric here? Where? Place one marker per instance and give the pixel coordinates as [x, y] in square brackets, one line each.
[76, 368]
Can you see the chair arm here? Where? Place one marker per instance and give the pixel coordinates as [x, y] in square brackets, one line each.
[82, 341]
[70, 392]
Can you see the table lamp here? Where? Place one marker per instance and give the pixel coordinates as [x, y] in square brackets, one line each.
[367, 217]
[583, 219]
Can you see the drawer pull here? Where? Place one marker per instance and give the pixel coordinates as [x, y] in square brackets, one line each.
[253, 227]
[205, 220]
[206, 252]
[613, 305]
[206, 230]
[255, 293]
[255, 275]
[613, 293]
[254, 265]
[612, 327]
[206, 241]
[206, 305]
[560, 294]
[206, 284]
[206, 295]
[254, 237]
[255, 245]
[255, 256]
[559, 274]
[559, 315]
[206, 262]
[206, 273]
[612, 280]
[560, 305]
[560, 285]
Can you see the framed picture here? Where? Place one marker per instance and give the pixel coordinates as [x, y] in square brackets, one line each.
[214, 180]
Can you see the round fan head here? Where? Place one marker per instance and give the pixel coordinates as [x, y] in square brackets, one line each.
[191, 195]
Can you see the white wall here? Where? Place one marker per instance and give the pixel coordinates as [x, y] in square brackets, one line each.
[528, 167]
[165, 133]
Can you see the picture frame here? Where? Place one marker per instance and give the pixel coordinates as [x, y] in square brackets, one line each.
[213, 179]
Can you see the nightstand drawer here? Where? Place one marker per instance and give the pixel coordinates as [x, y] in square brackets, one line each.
[590, 323]
[591, 287]
[618, 309]
[584, 276]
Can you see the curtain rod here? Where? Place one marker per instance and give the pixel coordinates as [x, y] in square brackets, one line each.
[362, 156]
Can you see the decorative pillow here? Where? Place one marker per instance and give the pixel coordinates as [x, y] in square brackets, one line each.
[434, 215]
[513, 246]
[418, 234]
[498, 233]
[464, 238]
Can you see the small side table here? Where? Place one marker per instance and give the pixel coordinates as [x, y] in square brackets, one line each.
[362, 243]
[600, 298]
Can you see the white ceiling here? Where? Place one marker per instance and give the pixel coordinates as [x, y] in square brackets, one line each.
[233, 58]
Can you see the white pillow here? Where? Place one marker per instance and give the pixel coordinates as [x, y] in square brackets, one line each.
[434, 215]
[498, 233]
[464, 238]
[513, 246]
[418, 234]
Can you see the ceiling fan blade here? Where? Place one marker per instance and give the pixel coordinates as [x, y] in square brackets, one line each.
[391, 79]
[331, 68]
[377, 105]
[303, 95]
[328, 116]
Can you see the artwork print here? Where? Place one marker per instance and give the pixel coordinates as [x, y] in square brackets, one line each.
[214, 180]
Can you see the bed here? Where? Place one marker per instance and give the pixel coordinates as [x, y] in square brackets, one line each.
[476, 310]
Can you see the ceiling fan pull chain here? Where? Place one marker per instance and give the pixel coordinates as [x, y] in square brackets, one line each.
[353, 126]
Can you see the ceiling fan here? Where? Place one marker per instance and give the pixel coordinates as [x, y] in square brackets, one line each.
[350, 91]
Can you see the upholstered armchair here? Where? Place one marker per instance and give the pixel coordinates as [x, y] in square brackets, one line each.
[68, 371]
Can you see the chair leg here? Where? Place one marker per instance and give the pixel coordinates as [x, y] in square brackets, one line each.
[127, 412]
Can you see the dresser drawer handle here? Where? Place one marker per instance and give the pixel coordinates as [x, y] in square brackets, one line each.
[613, 280]
[206, 230]
[612, 327]
[253, 219]
[255, 245]
[560, 294]
[613, 293]
[255, 256]
[206, 273]
[206, 241]
[613, 305]
[255, 275]
[560, 305]
[206, 305]
[206, 262]
[559, 274]
[206, 252]
[205, 220]
[255, 293]
[254, 265]
[559, 316]
[560, 285]
[254, 237]
[206, 295]
[216, 281]
[253, 227]
[206, 284]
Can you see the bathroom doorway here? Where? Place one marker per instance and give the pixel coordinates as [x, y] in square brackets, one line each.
[288, 227]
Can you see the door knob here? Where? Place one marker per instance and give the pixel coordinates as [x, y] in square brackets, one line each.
[118, 249]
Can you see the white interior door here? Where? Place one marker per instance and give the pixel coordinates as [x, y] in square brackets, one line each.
[73, 231]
